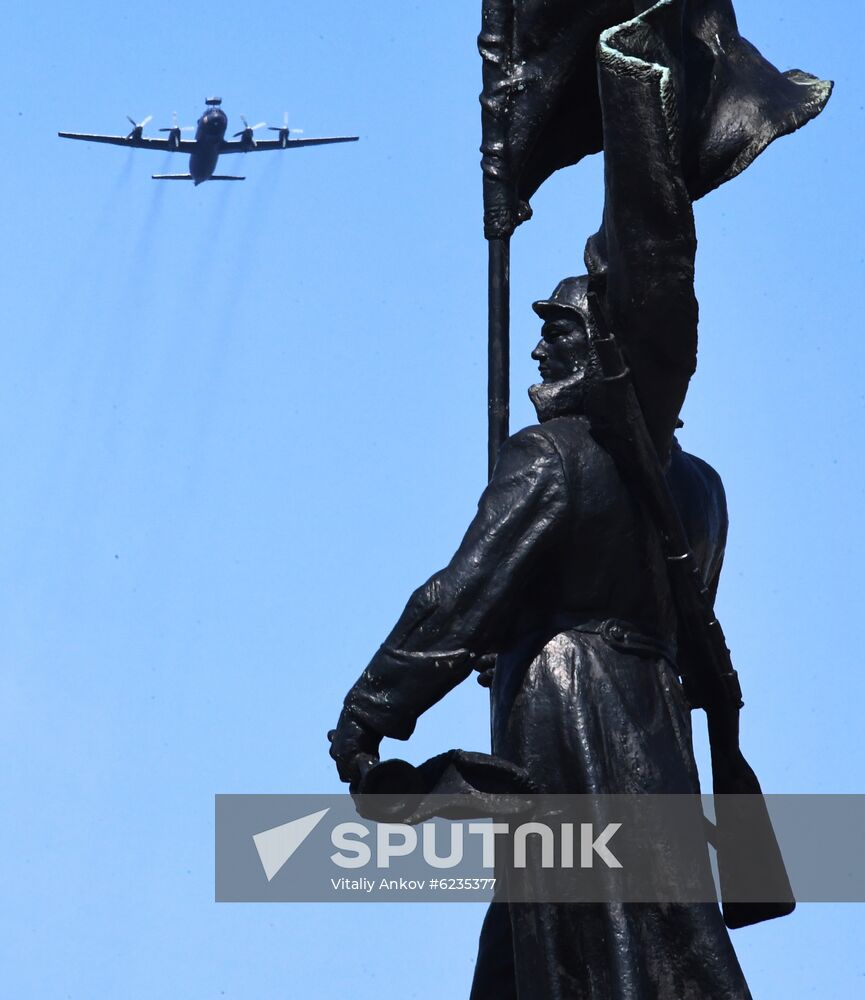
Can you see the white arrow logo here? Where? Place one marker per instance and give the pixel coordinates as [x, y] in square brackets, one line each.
[276, 846]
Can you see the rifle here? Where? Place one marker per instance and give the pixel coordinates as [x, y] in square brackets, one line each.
[747, 850]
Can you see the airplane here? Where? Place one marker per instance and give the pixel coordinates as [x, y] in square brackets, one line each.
[209, 142]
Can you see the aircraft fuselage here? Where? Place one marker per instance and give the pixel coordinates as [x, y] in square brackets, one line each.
[208, 138]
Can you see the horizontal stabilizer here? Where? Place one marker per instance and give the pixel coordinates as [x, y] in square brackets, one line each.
[171, 177]
[225, 177]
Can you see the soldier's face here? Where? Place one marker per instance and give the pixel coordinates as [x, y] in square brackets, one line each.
[563, 350]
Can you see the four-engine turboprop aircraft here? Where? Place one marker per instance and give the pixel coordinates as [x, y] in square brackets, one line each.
[209, 142]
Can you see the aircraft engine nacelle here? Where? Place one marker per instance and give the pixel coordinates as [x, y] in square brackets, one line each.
[137, 128]
[172, 135]
[247, 139]
[283, 130]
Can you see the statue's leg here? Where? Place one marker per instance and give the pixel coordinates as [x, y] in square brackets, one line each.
[494, 972]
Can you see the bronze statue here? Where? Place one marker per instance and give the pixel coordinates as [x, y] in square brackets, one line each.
[564, 574]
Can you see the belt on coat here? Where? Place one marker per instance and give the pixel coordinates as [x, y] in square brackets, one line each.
[620, 634]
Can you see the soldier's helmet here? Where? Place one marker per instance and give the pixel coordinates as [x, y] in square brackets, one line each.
[569, 296]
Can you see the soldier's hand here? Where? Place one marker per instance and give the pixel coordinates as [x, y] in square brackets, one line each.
[732, 775]
[485, 666]
[354, 747]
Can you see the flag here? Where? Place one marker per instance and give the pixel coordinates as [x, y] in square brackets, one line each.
[541, 107]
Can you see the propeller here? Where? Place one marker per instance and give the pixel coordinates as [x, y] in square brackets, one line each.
[175, 130]
[245, 135]
[137, 127]
[284, 130]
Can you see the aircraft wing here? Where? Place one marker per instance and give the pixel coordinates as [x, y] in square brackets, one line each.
[167, 145]
[261, 145]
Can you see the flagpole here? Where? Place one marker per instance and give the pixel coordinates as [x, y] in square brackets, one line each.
[498, 378]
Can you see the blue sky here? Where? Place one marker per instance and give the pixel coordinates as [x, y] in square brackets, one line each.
[242, 422]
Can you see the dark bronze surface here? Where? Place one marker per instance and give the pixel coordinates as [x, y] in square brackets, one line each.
[567, 577]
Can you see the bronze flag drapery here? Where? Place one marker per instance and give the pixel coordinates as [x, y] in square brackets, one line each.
[541, 109]
[680, 103]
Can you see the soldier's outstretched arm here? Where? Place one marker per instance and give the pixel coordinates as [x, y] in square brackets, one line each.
[461, 612]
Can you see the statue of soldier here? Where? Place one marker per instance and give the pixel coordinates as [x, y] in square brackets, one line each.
[562, 573]
[562, 576]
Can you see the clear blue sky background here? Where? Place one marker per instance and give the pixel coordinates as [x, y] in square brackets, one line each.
[241, 422]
